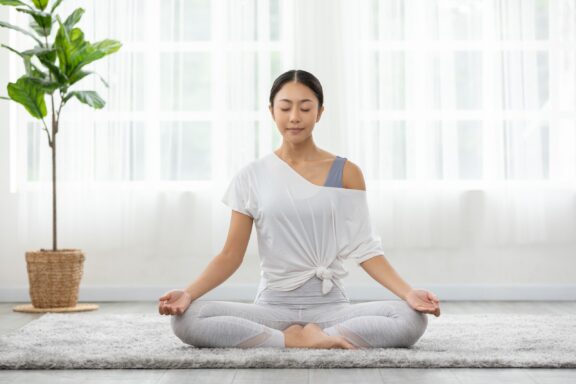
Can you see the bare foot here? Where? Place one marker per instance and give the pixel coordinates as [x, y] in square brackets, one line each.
[292, 333]
[312, 336]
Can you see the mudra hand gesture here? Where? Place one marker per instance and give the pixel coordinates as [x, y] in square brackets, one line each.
[423, 301]
[174, 302]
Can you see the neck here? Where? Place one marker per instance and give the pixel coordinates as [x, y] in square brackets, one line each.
[299, 152]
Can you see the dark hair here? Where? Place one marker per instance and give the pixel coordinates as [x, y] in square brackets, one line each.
[299, 76]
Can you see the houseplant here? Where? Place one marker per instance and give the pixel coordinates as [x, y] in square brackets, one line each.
[53, 68]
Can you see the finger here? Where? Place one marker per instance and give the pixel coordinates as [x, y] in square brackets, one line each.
[165, 297]
[434, 310]
[427, 309]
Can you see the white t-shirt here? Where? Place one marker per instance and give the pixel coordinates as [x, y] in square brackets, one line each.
[303, 229]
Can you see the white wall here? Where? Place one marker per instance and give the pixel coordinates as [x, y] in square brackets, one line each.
[143, 274]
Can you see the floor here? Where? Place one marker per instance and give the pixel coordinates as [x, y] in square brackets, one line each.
[10, 320]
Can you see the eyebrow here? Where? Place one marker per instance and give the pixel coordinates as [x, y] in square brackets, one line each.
[290, 101]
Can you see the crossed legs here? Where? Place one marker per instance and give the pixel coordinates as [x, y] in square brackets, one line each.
[341, 325]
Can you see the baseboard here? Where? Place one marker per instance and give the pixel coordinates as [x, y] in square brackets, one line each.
[356, 292]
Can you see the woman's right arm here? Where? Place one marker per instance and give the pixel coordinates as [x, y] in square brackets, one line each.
[218, 270]
[228, 261]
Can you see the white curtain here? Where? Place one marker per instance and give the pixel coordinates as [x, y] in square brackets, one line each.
[461, 115]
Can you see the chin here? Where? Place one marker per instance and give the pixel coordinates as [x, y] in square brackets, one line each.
[295, 139]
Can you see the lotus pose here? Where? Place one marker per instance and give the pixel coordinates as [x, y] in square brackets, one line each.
[311, 213]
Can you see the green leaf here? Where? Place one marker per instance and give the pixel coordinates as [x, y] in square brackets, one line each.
[85, 53]
[13, 3]
[11, 49]
[40, 31]
[55, 71]
[74, 52]
[108, 46]
[31, 69]
[42, 22]
[47, 86]
[38, 51]
[55, 5]
[80, 74]
[62, 45]
[87, 97]
[40, 4]
[30, 95]
[7, 25]
[74, 18]
[77, 76]
[83, 56]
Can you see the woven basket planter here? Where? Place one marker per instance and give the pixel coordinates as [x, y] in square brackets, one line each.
[54, 277]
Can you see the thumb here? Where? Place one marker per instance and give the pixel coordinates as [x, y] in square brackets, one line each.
[165, 297]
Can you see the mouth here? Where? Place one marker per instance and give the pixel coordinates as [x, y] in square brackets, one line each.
[294, 130]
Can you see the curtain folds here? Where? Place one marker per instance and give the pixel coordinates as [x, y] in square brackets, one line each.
[460, 113]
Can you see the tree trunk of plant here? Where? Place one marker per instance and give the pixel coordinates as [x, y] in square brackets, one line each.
[54, 228]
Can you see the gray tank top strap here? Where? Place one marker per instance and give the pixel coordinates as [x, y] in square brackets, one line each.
[334, 178]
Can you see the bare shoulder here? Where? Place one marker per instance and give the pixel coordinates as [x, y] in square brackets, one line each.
[352, 176]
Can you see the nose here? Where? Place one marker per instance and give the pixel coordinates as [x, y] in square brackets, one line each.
[294, 116]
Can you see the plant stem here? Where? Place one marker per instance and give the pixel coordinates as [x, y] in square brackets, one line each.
[54, 200]
[53, 146]
[47, 133]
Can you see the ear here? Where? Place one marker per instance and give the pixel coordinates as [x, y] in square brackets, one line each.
[319, 114]
[271, 112]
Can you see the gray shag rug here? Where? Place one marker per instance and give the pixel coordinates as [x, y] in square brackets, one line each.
[106, 341]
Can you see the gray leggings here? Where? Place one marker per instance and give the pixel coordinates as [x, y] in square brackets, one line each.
[377, 324]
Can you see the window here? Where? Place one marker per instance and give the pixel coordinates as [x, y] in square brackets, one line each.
[468, 89]
[190, 82]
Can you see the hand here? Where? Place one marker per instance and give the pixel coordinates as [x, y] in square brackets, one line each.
[174, 302]
[423, 301]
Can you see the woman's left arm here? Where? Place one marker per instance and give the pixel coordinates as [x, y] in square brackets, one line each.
[380, 270]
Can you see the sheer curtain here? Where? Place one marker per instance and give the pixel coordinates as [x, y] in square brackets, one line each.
[461, 115]
[140, 181]
[466, 129]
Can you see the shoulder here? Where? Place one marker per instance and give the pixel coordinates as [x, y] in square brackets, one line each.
[352, 176]
[251, 168]
[244, 175]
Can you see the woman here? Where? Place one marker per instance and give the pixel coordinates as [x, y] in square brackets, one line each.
[310, 212]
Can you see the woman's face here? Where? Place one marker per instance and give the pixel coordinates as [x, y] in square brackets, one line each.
[295, 111]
